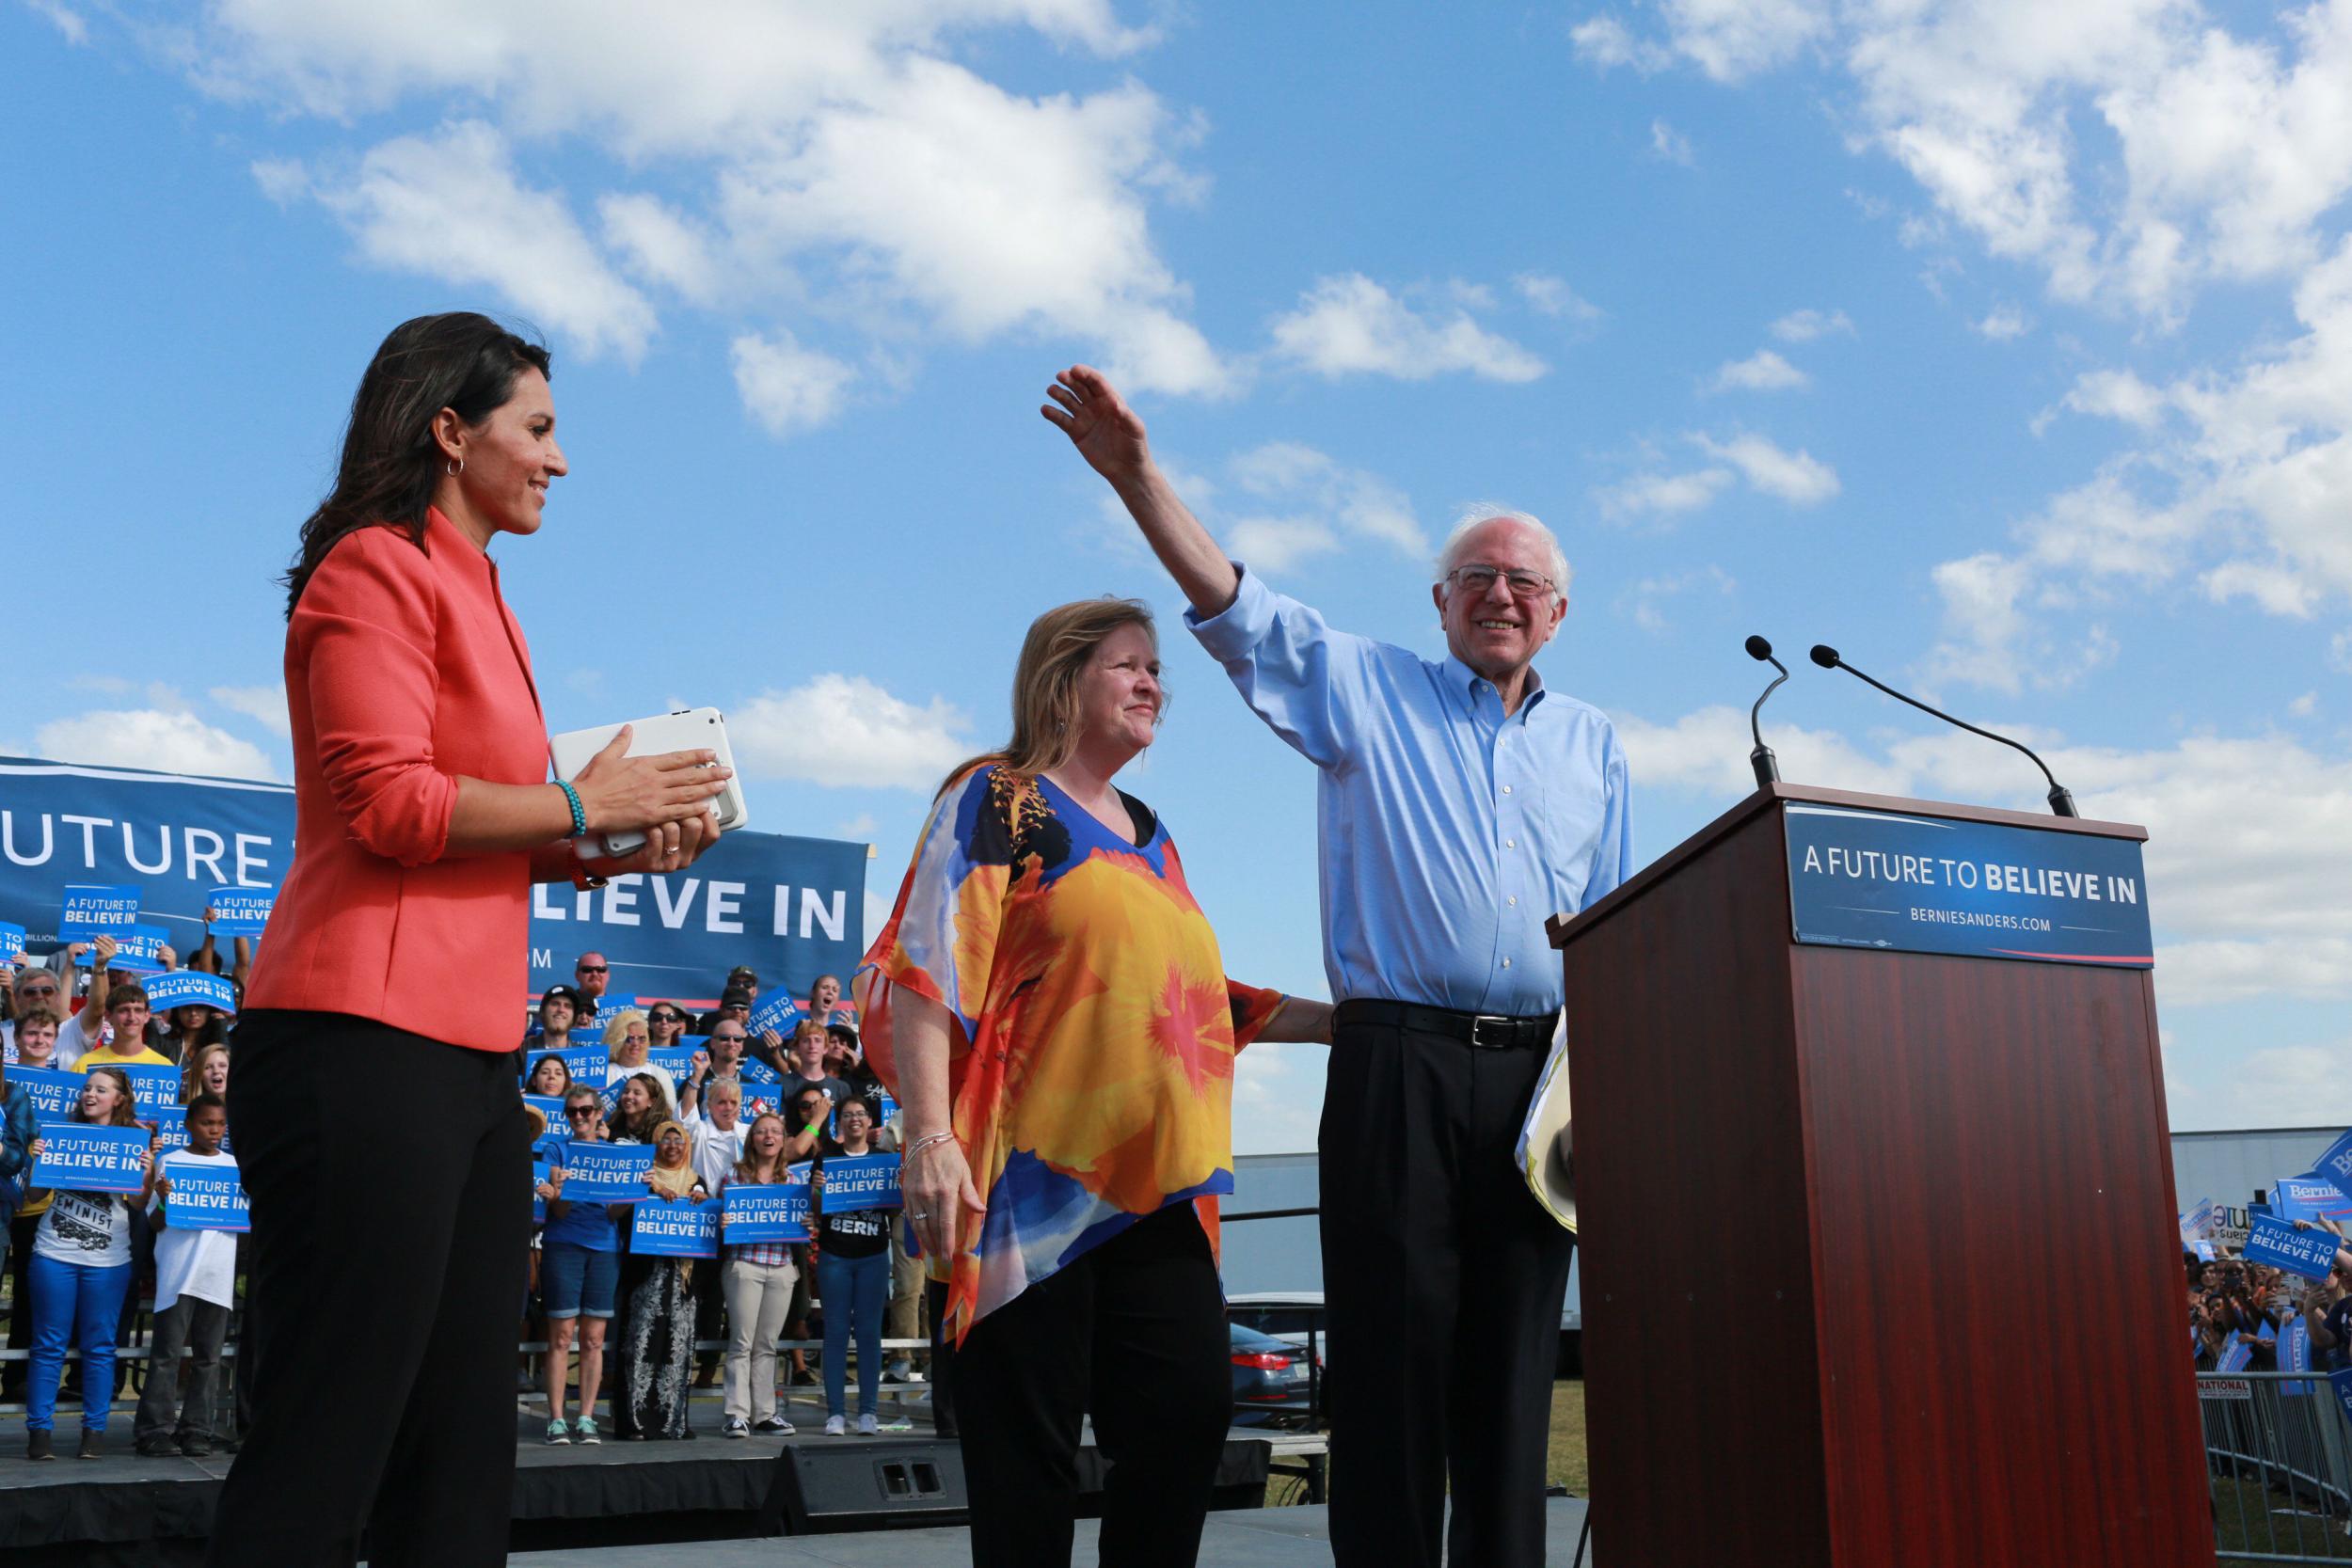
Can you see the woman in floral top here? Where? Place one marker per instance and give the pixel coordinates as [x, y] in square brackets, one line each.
[1049, 1005]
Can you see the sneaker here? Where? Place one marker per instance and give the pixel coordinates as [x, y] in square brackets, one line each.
[900, 1371]
[93, 1444]
[834, 1427]
[585, 1429]
[559, 1436]
[776, 1426]
[867, 1425]
[37, 1446]
[736, 1427]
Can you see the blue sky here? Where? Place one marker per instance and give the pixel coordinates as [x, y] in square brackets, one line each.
[2009, 347]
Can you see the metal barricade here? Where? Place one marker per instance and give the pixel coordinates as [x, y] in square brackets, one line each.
[2277, 1464]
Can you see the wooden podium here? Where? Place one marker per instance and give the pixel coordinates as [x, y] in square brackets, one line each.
[1879, 1248]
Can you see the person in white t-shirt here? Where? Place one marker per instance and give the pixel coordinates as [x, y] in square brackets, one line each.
[80, 1272]
[715, 1126]
[195, 1281]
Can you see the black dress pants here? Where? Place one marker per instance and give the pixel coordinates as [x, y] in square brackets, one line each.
[1444, 1279]
[1134, 1332]
[390, 1178]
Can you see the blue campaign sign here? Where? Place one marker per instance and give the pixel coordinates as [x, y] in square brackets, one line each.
[93, 910]
[539, 1172]
[11, 942]
[1923, 884]
[585, 1063]
[2236, 1358]
[790, 907]
[2308, 1198]
[152, 1085]
[2274, 1243]
[242, 912]
[755, 1072]
[2294, 1355]
[854, 1181]
[182, 988]
[667, 1229]
[776, 1211]
[677, 1061]
[2341, 1381]
[138, 949]
[604, 1173]
[170, 1124]
[776, 1010]
[550, 1106]
[2335, 1166]
[52, 1090]
[206, 1197]
[78, 1157]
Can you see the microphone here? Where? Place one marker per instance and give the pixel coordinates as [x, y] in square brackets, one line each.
[1767, 766]
[2061, 803]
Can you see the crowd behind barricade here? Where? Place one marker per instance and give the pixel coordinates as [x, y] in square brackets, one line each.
[2247, 1316]
[735, 1096]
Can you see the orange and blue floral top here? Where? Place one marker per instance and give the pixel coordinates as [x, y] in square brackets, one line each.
[1091, 1063]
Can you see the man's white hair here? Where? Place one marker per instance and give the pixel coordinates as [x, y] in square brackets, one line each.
[1477, 513]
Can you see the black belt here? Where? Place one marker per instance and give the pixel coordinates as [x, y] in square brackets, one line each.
[1486, 1031]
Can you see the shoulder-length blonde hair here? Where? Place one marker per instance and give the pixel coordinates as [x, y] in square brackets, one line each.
[1045, 683]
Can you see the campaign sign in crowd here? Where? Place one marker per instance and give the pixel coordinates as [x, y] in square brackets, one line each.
[2275, 1244]
[604, 1173]
[206, 1197]
[242, 912]
[776, 1211]
[676, 1229]
[11, 942]
[93, 911]
[863, 1181]
[52, 1090]
[189, 986]
[82, 1157]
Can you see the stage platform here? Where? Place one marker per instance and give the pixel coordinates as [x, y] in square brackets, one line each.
[154, 1512]
[1256, 1537]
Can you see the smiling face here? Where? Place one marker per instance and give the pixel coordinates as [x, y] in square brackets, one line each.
[670, 1151]
[1498, 632]
[100, 1093]
[555, 1014]
[129, 1021]
[636, 1099]
[724, 1102]
[509, 459]
[856, 1123]
[1119, 697]
[629, 1050]
[35, 1042]
[726, 1041]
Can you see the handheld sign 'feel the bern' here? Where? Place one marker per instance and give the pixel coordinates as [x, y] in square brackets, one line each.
[94, 910]
[861, 1181]
[79, 1157]
[667, 1229]
[2274, 1243]
[206, 1197]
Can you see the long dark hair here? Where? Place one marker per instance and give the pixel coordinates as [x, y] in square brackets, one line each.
[461, 361]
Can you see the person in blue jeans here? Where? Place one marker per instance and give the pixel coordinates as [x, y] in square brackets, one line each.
[80, 1272]
[579, 1262]
[852, 1280]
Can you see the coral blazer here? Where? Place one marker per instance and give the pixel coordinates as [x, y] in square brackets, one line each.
[406, 670]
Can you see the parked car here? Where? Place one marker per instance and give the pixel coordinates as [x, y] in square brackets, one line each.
[1270, 1379]
[1294, 1317]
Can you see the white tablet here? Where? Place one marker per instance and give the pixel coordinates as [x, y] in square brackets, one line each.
[694, 729]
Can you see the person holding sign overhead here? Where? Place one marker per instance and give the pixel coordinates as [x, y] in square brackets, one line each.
[1049, 1005]
[80, 1272]
[398, 953]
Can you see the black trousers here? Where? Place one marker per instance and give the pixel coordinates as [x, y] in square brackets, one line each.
[390, 1178]
[1134, 1332]
[1444, 1279]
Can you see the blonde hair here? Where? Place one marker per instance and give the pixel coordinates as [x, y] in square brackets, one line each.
[1045, 683]
[192, 1070]
[617, 1030]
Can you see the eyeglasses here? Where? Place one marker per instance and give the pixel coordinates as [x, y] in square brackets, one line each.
[589, 969]
[1479, 577]
[576, 1112]
[37, 990]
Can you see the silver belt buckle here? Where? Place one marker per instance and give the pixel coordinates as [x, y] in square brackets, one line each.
[1487, 1017]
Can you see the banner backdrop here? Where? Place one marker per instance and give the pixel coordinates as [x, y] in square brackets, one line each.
[790, 908]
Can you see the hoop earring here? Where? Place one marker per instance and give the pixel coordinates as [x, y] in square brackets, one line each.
[456, 466]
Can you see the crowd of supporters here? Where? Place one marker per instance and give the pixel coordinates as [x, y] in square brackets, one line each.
[628, 1338]
[2242, 1314]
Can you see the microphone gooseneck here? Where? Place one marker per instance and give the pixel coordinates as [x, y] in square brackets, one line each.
[2062, 801]
[1766, 765]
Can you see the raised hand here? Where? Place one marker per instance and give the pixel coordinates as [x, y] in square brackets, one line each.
[1108, 435]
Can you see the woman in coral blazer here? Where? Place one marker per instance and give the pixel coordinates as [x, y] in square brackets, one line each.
[389, 1252]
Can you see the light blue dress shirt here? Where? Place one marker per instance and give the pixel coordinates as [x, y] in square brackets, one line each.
[1449, 831]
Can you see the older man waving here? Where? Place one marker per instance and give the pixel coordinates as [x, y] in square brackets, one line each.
[1460, 802]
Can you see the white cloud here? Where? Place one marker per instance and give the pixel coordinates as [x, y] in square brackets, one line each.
[850, 161]
[2117, 395]
[1278, 543]
[63, 18]
[1644, 602]
[1351, 325]
[1760, 372]
[860, 829]
[1663, 495]
[1352, 501]
[1803, 326]
[451, 206]
[846, 732]
[787, 387]
[1605, 42]
[1796, 477]
[165, 741]
[265, 705]
[2305, 706]
[1555, 298]
[2003, 323]
[1671, 144]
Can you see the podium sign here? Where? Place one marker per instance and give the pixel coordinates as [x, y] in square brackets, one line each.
[1916, 883]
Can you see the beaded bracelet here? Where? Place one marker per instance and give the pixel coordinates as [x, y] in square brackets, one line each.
[580, 816]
